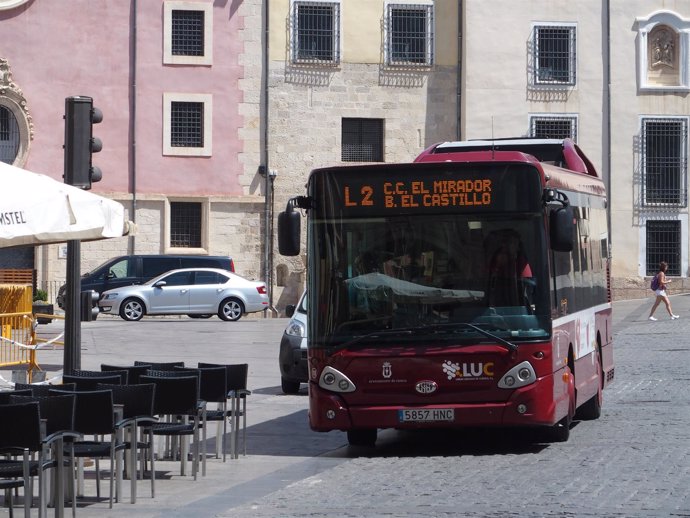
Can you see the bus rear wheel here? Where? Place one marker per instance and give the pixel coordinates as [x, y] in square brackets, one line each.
[362, 437]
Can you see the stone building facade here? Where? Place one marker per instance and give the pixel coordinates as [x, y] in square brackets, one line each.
[313, 98]
[287, 86]
[179, 84]
[612, 75]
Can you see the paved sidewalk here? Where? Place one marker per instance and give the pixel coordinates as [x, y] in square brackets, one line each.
[281, 448]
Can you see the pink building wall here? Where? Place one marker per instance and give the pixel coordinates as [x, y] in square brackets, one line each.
[84, 47]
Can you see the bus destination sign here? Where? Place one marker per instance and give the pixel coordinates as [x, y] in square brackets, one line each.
[426, 188]
[419, 193]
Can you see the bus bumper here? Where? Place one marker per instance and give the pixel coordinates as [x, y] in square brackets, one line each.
[543, 403]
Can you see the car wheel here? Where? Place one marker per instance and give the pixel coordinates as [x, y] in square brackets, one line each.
[289, 387]
[231, 310]
[199, 316]
[132, 310]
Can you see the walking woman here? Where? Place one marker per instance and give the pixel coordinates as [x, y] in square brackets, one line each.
[659, 283]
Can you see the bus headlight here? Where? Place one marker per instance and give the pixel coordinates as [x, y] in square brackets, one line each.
[519, 376]
[335, 381]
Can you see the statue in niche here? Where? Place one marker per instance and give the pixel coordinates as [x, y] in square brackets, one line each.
[662, 49]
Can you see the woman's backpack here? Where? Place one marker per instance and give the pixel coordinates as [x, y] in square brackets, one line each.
[655, 283]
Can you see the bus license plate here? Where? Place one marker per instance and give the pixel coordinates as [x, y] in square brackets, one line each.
[426, 415]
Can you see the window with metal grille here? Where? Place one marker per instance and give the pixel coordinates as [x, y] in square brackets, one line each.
[409, 38]
[664, 161]
[185, 224]
[362, 140]
[187, 33]
[9, 136]
[186, 124]
[663, 244]
[316, 32]
[550, 126]
[554, 55]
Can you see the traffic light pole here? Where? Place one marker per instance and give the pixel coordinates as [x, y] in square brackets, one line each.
[72, 348]
[80, 144]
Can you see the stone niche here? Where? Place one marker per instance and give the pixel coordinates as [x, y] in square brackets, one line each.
[663, 47]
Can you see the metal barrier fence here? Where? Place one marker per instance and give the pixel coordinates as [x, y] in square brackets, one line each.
[17, 336]
[16, 322]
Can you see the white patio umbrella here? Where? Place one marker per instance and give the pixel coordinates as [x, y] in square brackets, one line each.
[36, 209]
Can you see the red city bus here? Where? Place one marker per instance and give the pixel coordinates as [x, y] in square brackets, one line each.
[469, 288]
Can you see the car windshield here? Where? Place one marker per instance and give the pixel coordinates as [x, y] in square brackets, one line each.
[401, 272]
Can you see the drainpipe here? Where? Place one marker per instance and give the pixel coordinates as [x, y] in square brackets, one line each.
[607, 110]
[458, 86]
[269, 176]
[133, 123]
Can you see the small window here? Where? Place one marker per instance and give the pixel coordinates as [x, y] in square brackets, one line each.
[210, 278]
[553, 126]
[200, 262]
[185, 224]
[187, 124]
[188, 33]
[121, 269]
[362, 140]
[664, 161]
[154, 266]
[9, 136]
[178, 279]
[315, 32]
[663, 244]
[554, 55]
[409, 35]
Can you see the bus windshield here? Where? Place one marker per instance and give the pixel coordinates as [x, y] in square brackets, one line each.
[428, 273]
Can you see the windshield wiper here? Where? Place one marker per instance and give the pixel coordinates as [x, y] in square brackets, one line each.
[433, 328]
[509, 345]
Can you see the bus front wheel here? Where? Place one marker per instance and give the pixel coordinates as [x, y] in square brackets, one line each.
[362, 437]
[560, 432]
[591, 409]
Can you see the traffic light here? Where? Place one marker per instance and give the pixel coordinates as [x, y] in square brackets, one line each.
[89, 305]
[80, 144]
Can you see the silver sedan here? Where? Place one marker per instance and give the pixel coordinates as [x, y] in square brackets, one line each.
[197, 292]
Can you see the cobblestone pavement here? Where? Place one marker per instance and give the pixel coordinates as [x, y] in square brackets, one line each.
[632, 462]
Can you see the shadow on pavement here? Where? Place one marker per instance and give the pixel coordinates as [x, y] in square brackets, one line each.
[290, 435]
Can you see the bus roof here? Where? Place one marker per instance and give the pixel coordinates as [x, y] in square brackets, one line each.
[559, 152]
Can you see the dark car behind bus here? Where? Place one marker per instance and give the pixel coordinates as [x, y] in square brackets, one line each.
[126, 270]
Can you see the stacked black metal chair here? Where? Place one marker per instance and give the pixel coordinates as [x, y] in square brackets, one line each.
[137, 416]
[176, 404]
[95, 416]
[236, 389]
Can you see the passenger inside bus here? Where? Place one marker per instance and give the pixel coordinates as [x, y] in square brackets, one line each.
[510, 278]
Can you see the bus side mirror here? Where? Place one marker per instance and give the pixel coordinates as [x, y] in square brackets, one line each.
[561, 228]
[289, 232]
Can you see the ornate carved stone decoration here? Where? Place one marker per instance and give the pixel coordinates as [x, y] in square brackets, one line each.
[12, 99]
[662, 48]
